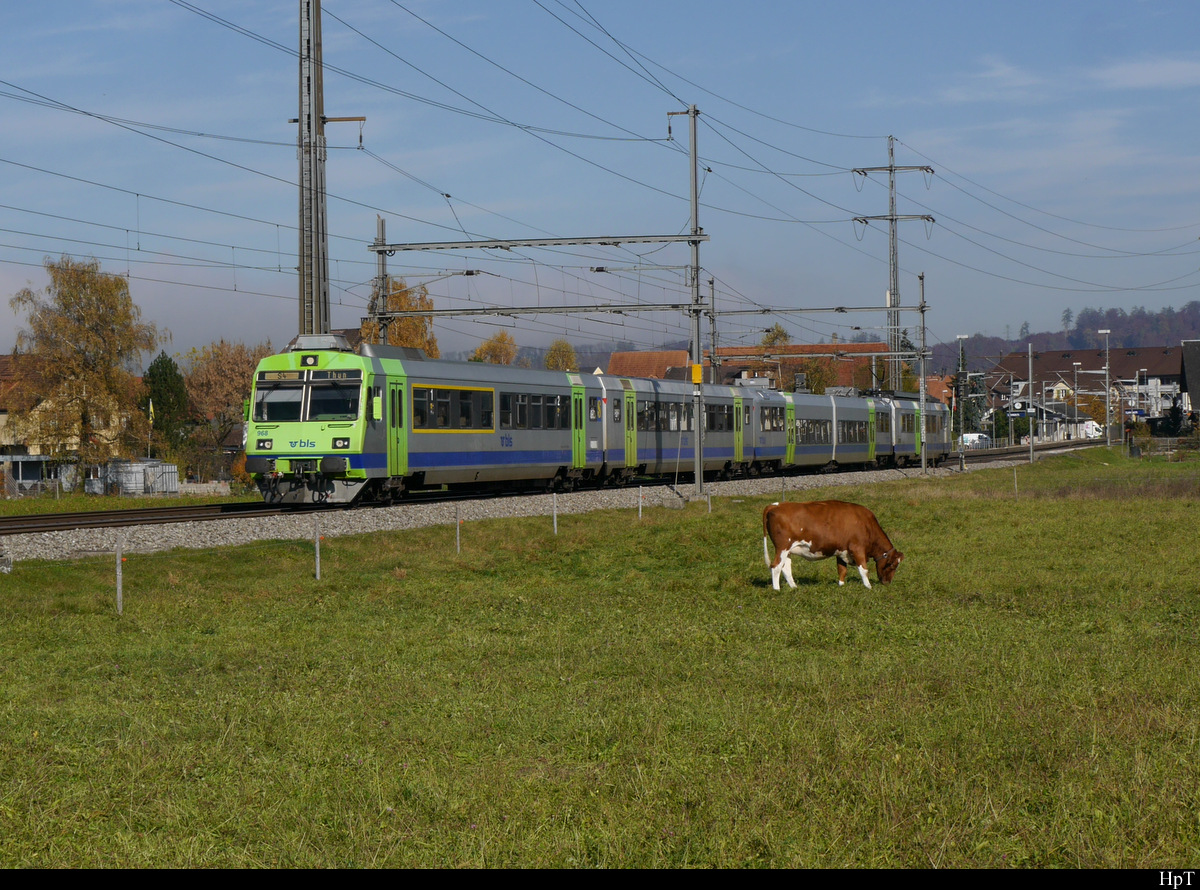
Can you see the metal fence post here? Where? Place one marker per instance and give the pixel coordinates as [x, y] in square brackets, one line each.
[120, 559]
[317, 543]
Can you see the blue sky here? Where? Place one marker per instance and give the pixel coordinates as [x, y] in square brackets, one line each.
[155, 137]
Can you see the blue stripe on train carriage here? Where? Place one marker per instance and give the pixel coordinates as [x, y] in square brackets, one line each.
[424, 460]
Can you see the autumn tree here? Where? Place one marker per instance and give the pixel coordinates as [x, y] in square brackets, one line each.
[218, 379]
[776, 335]
[909, 379]
[413, 330]
[561, 357]
[166, 391]
[499, 349]
[819, 373]
[85, 338]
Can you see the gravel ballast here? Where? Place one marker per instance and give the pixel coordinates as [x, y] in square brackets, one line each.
[229, 532]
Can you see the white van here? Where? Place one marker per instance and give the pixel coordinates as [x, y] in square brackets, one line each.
[972, 441]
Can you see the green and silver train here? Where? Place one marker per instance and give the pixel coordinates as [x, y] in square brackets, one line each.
[326, 424]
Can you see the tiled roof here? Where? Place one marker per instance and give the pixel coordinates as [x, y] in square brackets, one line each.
[647, 364]
[940, 388]
[846, 363]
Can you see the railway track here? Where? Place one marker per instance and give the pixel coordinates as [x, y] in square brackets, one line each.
[1021, 452]
[56, 522]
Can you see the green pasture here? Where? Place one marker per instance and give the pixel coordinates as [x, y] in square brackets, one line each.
[629, 693]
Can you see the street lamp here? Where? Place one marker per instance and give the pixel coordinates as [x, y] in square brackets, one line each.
[1075, 393]
[962, 401]
[1107, 392]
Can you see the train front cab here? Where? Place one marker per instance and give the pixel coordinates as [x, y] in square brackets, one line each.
[310, 413]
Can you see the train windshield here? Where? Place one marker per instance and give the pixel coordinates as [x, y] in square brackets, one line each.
[331, 396]
[278, 403]
[333, 401]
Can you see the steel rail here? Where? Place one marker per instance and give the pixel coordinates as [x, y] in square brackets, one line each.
[52, 522]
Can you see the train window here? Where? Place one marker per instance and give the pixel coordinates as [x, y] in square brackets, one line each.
[441, 408]
[466, 414]
[593, 408]
[617, 410]
[521, 418]
[556, 415]
[852, 432]
[421, 399]
[278, 404]
[720, 418]
[813, 432]
[535, 412]
[506, 411]
[484, 402]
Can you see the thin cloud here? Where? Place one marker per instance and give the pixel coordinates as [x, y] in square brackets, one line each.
[1150, 74]
[998, 81]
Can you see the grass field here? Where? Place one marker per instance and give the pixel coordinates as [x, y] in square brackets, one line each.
[628, 694]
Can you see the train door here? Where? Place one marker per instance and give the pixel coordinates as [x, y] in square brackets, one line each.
[631, 451]
[738, 438]
[833, 429]
[870, 430]
[790, 426]
[397, 430]
[578, 427]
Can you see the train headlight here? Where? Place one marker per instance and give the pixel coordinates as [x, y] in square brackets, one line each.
[341, 443]
[264, 444]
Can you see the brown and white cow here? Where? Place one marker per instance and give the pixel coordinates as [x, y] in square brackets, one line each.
[821, 529]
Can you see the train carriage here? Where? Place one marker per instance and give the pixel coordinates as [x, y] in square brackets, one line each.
[814, 426]
[773, 446]
[853, 442]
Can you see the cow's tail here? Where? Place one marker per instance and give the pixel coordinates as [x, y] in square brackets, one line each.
[767, 535]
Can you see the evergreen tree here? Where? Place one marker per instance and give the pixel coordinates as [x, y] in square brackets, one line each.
[166, 391]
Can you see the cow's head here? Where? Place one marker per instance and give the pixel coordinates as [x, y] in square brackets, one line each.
[887, 564]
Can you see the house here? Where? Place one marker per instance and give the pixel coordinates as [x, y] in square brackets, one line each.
[857, 365]
[667, 364]
[1143, 382]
